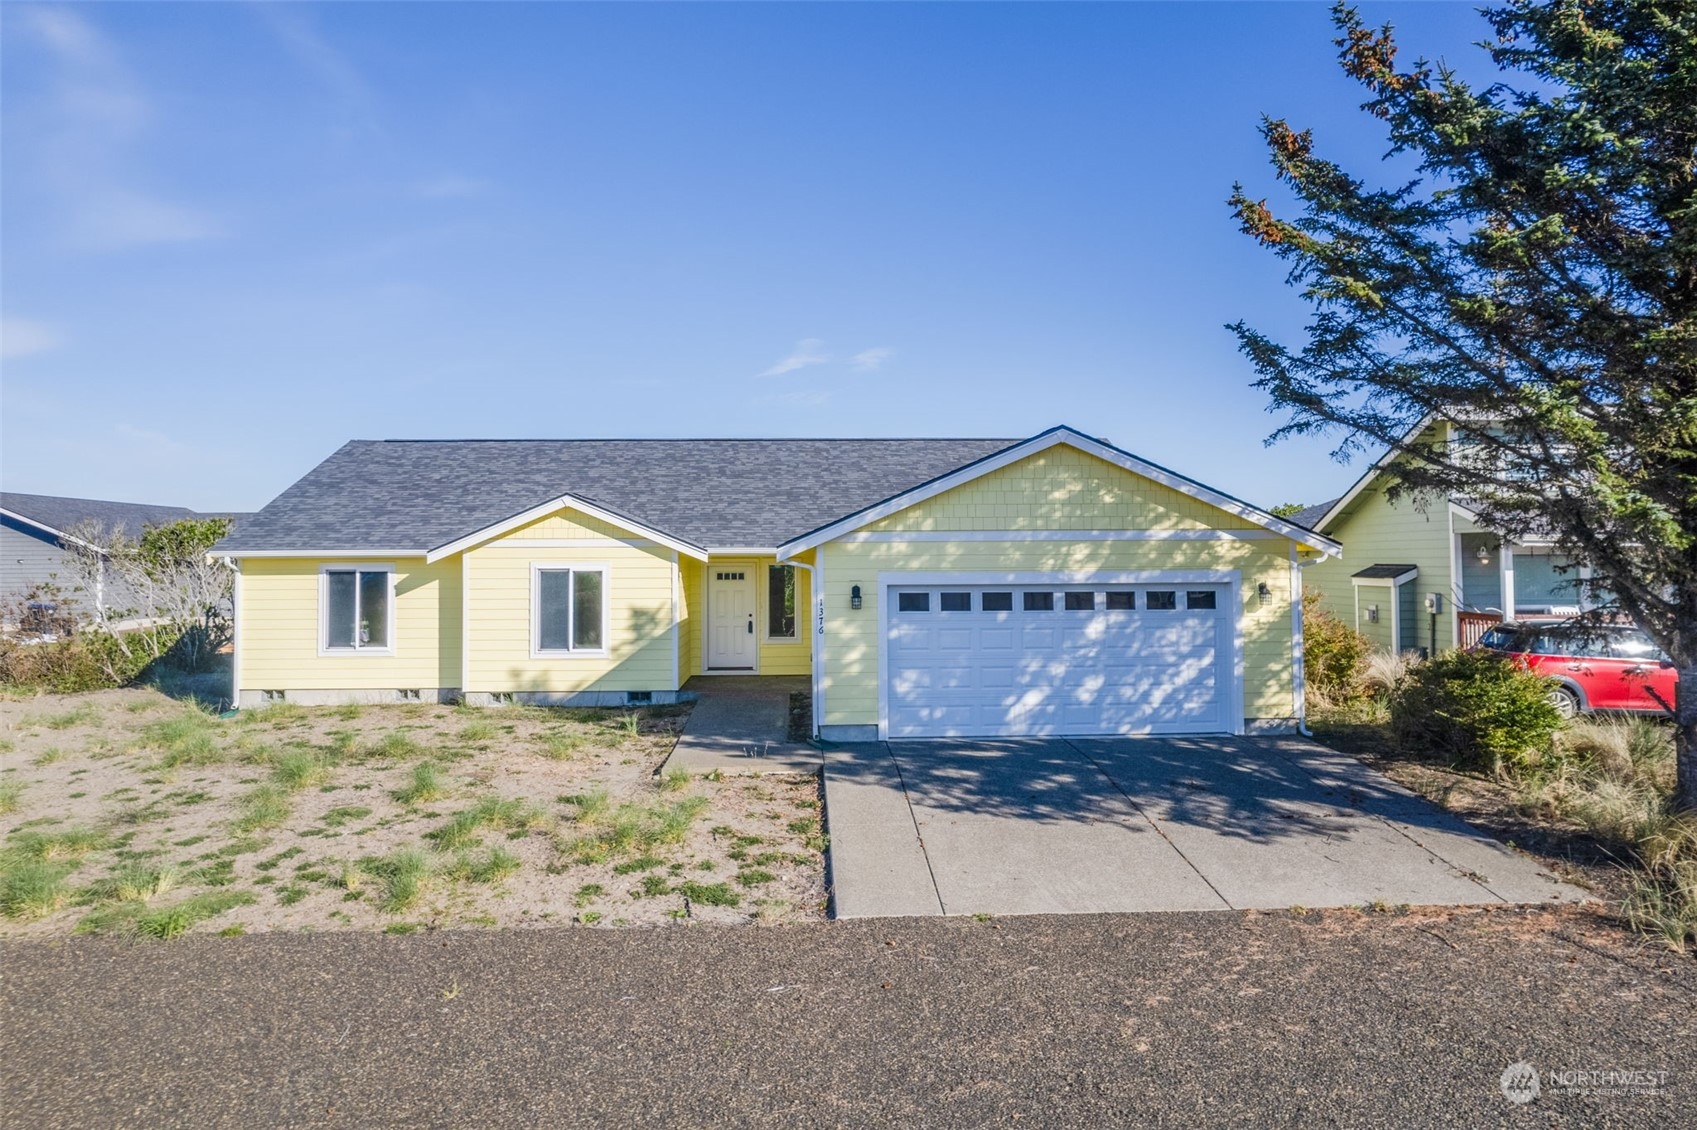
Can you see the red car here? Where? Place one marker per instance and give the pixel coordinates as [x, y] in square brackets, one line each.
[1593, 667]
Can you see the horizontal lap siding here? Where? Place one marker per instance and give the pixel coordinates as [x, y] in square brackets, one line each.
[692, 609]
[1059, 489]
[1377, 531]
[640, 613]
[280, 619]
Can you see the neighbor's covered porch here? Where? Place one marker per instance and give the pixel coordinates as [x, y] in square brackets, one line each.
[1498, 579]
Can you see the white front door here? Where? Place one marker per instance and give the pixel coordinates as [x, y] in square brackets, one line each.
[730, 619]
[1034, 660]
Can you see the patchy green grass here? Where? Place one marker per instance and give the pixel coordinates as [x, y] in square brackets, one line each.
[163, 923]
[424, 786]
[11, 793]
[186, 738]
[69, 843]
[480, 730]
[404, 875]
[505, 813]
[272, 714]
[492, 865]
[633, 827]
[31, 887]
[135, 882]
[674, 780]
[709, 894]
[754, 877]
[80, 716]
[396, 745]
[265, 806]
[559, 745]
[297, 769]
[344, 814]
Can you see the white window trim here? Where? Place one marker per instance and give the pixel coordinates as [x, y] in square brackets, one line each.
[324, 571]
[537, 568]
[765, 614]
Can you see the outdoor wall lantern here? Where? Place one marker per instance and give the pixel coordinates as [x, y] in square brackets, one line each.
[1372, 613]
[1262, 591]
[854, 598]
[1484, 554]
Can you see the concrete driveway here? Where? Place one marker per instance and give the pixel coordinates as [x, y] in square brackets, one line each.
[1142, 824]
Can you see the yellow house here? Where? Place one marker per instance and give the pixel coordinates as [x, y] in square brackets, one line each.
[928, 588]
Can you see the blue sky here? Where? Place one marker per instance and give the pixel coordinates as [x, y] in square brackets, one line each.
[237, 236]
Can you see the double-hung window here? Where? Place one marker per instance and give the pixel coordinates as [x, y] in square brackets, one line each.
[569, 610]
[780, 602]
[356, 603]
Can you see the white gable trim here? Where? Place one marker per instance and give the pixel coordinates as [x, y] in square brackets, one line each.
[1038, 443]
[523, 518]
[1373, 472]
[49, 530]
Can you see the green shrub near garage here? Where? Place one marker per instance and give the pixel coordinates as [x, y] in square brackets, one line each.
[1478, 710]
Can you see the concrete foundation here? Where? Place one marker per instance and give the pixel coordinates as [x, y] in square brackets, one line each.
[577, 698]
[349, 697]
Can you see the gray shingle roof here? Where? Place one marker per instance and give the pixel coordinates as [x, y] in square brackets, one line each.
[1384, 572]
[1308, 515]
[128, 518]
[415, 495]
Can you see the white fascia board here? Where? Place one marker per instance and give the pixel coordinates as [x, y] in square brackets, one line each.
[1042, 442]
[1372, 472]
[741, 551]
[46, 529]
[525, 517]
[244, 554]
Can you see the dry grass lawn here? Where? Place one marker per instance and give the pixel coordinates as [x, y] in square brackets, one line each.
[129, 812]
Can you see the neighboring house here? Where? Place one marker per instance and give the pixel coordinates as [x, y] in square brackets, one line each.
[36, 535]
[1425, 573]
[929, 587]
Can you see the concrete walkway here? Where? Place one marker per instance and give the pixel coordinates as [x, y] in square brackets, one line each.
[1143, 824]
[739, 725]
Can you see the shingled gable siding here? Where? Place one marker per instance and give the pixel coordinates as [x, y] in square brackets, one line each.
[280, 618]
[1061, 488]
[640, 631]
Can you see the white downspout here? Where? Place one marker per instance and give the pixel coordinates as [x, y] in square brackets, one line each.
[1297, 664]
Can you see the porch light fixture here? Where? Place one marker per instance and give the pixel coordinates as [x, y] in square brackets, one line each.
[1484, 554]
[854, 598]
[1263, 591]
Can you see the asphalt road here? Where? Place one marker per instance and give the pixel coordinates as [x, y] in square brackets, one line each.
[1190, 1020]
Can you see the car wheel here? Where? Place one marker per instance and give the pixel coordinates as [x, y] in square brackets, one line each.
[1565, 702]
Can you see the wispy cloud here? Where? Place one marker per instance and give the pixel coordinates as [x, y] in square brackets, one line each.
[295, 31]
[450, 187]
[869, 359]
[88, 128]
[22, 337]
[807, 352]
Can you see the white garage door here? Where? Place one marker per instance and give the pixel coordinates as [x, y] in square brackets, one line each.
[1008, 661]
